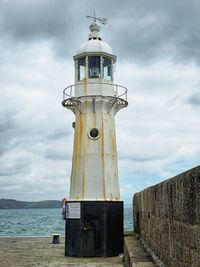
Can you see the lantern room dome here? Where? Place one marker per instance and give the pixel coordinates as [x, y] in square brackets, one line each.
[95, 43]
[95, 46]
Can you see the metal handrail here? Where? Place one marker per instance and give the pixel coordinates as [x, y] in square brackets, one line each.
[120, 91]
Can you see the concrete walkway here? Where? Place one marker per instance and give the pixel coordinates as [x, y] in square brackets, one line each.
[39, 251]
[135, 255]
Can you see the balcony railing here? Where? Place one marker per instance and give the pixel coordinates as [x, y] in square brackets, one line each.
[118, 90]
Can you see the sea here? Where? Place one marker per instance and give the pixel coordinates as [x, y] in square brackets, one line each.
[42, 222]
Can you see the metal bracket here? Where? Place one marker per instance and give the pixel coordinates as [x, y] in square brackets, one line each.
[120, 103]
[111, 103]
[72, 104]
[117, 103]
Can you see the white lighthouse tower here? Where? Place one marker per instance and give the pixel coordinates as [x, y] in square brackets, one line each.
[94, 218]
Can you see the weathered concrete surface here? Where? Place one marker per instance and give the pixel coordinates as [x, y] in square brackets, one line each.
[167, 217]
[135, 255]
[39, 251]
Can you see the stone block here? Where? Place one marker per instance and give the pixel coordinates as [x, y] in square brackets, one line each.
[195, 258]
[195, 237]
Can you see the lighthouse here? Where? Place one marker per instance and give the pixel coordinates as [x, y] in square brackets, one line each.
[94, 210]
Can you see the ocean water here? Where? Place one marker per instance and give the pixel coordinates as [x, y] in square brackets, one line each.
[41, 222]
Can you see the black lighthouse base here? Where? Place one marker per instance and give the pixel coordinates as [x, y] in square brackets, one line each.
[94, 228]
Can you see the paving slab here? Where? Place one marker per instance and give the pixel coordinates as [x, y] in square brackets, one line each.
[143, 264]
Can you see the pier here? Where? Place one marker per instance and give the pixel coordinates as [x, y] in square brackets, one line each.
[39, 251]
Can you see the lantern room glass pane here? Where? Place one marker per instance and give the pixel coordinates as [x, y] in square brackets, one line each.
[107, 69]
[94, 66]
[81, 69]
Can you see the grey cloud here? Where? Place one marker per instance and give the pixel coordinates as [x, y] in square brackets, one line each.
[12, 133]
[57, 134]
[25, 20]
[35, 21]
[7, 122]
[159, 29]
[28, 137]
[8, 129]
[140, 30]
[19, 166]
[141, 158]
[56, 154]
[194, 99]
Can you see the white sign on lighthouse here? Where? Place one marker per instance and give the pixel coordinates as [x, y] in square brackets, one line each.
[94, 184]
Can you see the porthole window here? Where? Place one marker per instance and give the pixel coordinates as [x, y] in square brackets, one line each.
[94, 133]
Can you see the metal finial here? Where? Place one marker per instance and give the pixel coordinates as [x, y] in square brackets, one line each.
[102, 20]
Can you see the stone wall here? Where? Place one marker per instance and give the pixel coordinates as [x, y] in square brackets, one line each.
[167, 217]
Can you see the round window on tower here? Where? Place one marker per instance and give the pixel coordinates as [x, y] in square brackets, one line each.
[94, 133]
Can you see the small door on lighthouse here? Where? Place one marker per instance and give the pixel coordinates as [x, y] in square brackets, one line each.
[87, 240]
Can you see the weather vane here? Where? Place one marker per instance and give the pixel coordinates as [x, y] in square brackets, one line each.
[102, 20]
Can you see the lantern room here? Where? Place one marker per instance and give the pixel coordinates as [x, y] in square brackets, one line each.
[94, 59]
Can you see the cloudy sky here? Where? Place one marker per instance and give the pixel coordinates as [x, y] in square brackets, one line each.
[157, 43]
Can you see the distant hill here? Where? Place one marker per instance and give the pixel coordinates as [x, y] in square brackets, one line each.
[15, 204]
